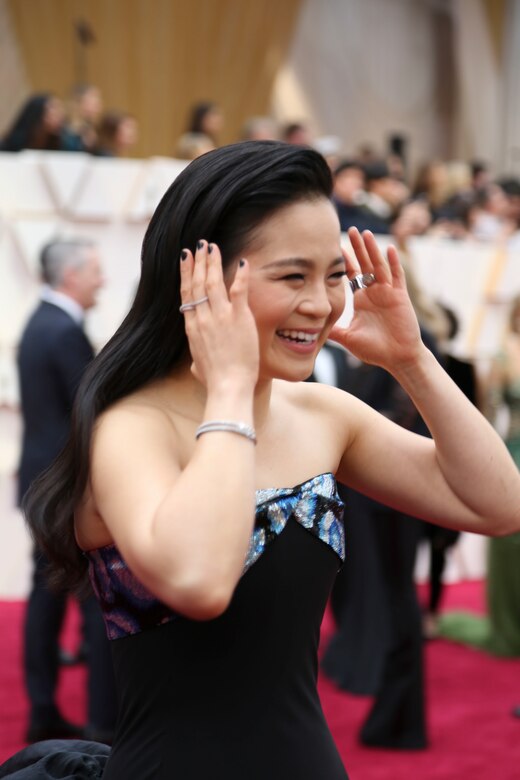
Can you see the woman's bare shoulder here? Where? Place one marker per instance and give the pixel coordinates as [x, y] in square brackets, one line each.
[315, 396]
[139, 414]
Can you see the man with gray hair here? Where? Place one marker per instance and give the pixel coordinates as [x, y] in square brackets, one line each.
[53, 354]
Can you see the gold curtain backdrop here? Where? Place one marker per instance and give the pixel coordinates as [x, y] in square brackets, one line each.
[155, 58]
[496, 12]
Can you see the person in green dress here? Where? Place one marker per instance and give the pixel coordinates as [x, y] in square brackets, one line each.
[499, 631]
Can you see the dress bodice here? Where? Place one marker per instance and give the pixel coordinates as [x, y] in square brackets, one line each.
[236, 696]
[128, 607]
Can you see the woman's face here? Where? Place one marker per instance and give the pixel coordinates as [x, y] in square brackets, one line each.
[54, 115]
[127, 133]
[296, 288]
[213, 121]
[91, 104]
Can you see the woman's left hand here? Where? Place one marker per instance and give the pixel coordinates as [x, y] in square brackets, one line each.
[384, 330]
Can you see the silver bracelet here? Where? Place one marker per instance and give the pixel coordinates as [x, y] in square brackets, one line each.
[228, 426]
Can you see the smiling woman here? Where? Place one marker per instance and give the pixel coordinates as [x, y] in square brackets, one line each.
[213, 544]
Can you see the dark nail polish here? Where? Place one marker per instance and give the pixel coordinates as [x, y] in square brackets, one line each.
[242, 262]
[200, 244]
[184, 254]
[210, 248]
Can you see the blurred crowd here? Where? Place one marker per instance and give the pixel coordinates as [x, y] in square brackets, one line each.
[456, 200]
[79, 124]
[452, 199]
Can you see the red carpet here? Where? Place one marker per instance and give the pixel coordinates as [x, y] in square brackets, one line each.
[470, 696]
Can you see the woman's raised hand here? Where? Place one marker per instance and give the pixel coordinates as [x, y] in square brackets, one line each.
[221, 328]
[384, 330]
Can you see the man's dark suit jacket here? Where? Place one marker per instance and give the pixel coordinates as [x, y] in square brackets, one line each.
[52, 357]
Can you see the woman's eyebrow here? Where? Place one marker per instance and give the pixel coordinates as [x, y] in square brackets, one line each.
[300, 262]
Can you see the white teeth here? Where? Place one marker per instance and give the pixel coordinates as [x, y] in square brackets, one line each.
[299, 335]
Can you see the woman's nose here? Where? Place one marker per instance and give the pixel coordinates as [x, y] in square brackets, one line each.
[316, 302]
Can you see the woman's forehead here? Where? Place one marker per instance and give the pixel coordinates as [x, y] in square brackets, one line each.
[297, 224]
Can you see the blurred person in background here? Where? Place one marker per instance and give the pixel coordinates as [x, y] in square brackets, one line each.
[489, 218]
[118, 133]
[459, 181]
[511, 187]
[206, 118]
[80, 132]
[52, 356]
[453, 218]
[413, 218]
[367, 154]
[480, 174]
[396, 166]
[452, 215]
[385, 195]
[299, 133]
[192, 145]
[432, 185]
[462, 371]
[349, 194]
[260, 128]
[38, 125]
[499, 631]
[377, 647]
[366, 197]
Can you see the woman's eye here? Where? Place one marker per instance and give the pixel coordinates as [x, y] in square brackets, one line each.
[293, 277]
[338, 275]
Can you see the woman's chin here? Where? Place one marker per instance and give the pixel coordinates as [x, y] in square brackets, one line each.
[291, 373]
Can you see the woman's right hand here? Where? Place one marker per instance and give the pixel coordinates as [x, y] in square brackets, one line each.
[221, 331]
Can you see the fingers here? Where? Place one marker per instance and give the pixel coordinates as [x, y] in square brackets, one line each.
[369, 256]
[203, 289]
[186, 273]
[396, 269]
[351, 265]
[202, 278]
[198, 279]
[215, 286]
[364, 263]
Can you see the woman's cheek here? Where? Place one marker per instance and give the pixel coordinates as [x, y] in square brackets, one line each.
[338, 301]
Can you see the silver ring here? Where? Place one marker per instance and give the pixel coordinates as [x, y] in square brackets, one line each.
[361, 281]
[192, 304]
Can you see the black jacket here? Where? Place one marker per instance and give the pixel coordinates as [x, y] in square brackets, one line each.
[52, 355]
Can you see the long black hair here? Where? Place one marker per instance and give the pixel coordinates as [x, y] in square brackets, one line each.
[222, 196]
[28, 130]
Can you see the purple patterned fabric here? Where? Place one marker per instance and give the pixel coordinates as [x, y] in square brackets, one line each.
[128, 607]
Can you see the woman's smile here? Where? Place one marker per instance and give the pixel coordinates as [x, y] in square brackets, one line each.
[302, 341]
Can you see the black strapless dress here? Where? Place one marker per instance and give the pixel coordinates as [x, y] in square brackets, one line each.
[235, 697]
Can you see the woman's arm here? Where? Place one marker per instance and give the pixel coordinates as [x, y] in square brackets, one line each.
[185, 530]
[463, 478]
